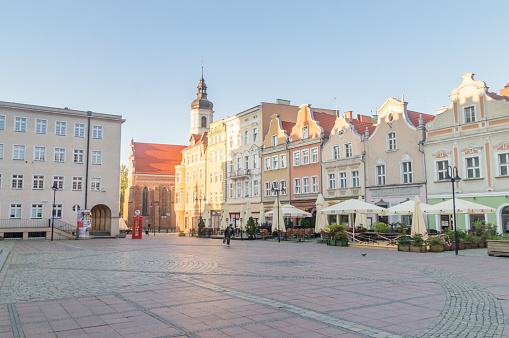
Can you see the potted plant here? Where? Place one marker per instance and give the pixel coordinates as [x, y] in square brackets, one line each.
[404, 242]
[331, 230]
[380, 227]
[436, 244]
[475, 241]
[341, 238]
[251, 228]
[418, 244]
[201, 228]
[182, 233]
[468, 241]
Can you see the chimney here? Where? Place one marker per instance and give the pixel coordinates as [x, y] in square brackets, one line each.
[348, 115]
[422, 128]
[364, 118]
[505, 91]
[282, 101]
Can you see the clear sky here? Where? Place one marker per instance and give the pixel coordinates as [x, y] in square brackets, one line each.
[142, 59]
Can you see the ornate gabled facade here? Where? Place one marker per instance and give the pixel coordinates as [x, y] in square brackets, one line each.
[216, 172]
[471, 134]
[394, 161]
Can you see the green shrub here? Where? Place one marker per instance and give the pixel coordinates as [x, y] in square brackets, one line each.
[435, 240]
[417, 240]
[360, 229]
[404, 239]
[340, 236]
[251, 227]
[305, 223]
[380, 227]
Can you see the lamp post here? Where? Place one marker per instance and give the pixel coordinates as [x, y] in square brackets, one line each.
[53, 209]
[453, 171]
[199, 200]
[277, 189]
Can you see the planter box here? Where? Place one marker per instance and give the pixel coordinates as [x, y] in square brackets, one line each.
[437, 248]
[474, 245]
[404, 247]
[468, 245]
[332, 242]
[182, 234]
[498, 248]
[421, 248]
[449, 247]
[482, 245]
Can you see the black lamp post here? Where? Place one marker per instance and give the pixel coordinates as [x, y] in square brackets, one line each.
[277, 189]
[453, 171]
[199, 200]
[53, 209]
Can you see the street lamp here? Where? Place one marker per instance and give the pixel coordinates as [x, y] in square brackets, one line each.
[53, 209]
[277, 189]
[453, 171]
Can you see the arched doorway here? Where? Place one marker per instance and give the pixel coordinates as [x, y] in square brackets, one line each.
[503, 219]
[101, 218]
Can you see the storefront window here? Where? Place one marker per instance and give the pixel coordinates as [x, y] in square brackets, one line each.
[505, 220]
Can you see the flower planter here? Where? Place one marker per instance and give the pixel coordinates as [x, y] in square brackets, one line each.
[448, 247]
[437, 248]
[421, 248]
[333, 242]
[498, 248]
[482, 245]
[182, 234]
[468, 245]
[461, 246]
[404, 247]
[474, 245]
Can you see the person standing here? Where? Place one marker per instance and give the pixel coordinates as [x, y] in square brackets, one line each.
[228, 233]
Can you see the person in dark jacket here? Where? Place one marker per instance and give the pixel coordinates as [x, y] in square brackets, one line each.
[228, 233]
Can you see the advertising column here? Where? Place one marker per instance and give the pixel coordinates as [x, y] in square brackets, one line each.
[83, 224]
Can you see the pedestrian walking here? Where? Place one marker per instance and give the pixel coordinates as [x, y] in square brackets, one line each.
[228, 233]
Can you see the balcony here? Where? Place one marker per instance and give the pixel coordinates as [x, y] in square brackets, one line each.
[239, 174]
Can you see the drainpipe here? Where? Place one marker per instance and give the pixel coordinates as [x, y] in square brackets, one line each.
[89, 114]
[289, 183]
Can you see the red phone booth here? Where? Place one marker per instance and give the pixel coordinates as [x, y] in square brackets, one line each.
[137, 227]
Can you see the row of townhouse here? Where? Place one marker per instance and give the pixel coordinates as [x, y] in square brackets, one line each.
[386, 159]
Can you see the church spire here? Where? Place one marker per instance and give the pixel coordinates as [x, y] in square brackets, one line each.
[201, 101]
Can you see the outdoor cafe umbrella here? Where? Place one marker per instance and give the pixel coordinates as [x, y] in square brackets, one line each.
[405, 208]
[206, 215]
[261, 218]
[278, 220]
[418, 225]
[248, 212]
[321, 219]
[289, 211]
[462, 207]
[241, 216]
[224, 222]
[361, 220]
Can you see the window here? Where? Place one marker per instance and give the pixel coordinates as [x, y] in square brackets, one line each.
[60, 127]
[201, 173]
[255, 134]
[37, 182]
[17, 182]
[194, 174]
[442, 167]
[221, 155]
[469, 114]
[187, 196]
[57, 210]
[188, 176]
[314, 184]
[232, 190]
[335, 153]
[95, 184]
[331, 181]
[282, 186]
[39, 153]
[1, 151]
[304, 132]
[283, 160]
[267, 163]
[36, 211]
[296, 185]
[221, 176]
[246, 137]
[239, 164]
[41, 127]
[391, 141]
[20, 124]
[305, 156]
[211, 178]
[342, 180]
[77, 183]
[216, 198]
[268, 190]
[305, 185]
[216, 154]
[355, 179]
[503, 164]
[275, 160]
[255, 161]
[15, 211]
[348, 149]
[58, 181]
[96, 157]
[239, 189]
[239, 140]
[97, 132]
[472, 167]
[246, 189]
[217, 177]
[79, 130]
[246, 162]
[231, 141]
[406, 169]
[177, 198]
[296, 158]
[18, 152]
[78, 156]
[179, 177]
[256, 188]
[380, 175]
[274, 140]
[2, 122]
[211, 157]
[203, 122]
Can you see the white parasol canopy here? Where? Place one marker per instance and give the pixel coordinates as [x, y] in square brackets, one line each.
[405, 208]
[352, 206]
[418, 225]
[241, 216]
[289, 211]
[206, 215]
[261, 218]
[278, 223]
[224, 222]
[248, 212]
[321, 219]
[462, 207]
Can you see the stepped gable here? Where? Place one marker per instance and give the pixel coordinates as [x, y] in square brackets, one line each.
[156, 159]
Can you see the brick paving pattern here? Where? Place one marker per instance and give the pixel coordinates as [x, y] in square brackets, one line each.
[169, 286]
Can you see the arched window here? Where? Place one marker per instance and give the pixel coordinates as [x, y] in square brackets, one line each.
[505, 220]
[164, 200]
[204, 122]
[144, 208]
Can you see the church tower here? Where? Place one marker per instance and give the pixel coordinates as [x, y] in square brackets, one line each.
[201, 110]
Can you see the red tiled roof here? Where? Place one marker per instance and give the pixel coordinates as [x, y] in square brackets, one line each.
[326, 121]
[198, 139]
[497, 97]
[287, 126]
[156, 159]
[360, 127]
[413, 116]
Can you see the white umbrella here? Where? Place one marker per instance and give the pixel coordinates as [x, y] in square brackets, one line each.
[224, 222]
[321, 219]
[361, 220]
[261, 218]
[248, 211]
[405, 208]
[289, 211]
[462, 207]
[352, 206]
[278, 223]
[418, 225]
[241, 216]
[206, 215]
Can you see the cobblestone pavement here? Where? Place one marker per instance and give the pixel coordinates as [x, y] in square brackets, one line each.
[169, 286]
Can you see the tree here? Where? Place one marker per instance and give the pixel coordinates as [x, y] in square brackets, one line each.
[123, 187]
[251, 227]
